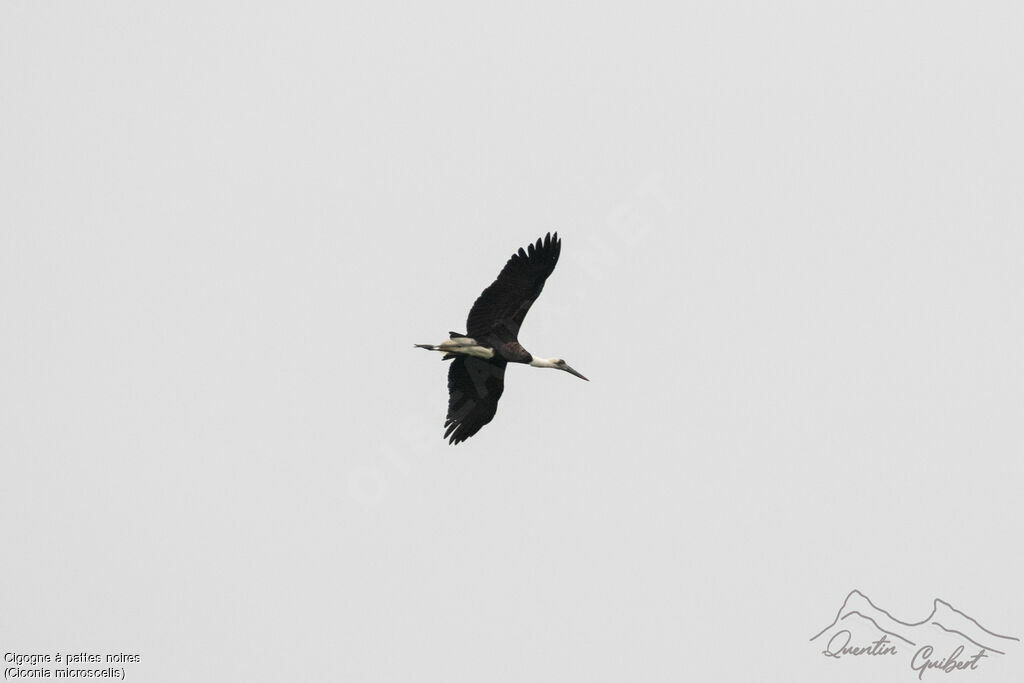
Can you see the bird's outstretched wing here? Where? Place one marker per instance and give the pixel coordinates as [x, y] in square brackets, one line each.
[474, 387]
[502, 306]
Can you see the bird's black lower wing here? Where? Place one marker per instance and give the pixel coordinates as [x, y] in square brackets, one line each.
[474, 387]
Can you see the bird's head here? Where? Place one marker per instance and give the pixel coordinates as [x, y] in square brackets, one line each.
[562, 365]
[556, 363]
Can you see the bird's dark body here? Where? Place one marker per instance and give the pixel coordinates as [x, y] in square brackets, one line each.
[511, 352]
[475, 384]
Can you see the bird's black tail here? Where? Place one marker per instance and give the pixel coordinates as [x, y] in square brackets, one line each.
[434, 347]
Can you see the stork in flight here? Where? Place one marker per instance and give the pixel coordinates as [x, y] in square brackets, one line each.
[476, 377]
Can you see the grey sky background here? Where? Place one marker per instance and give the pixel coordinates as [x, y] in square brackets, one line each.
[791, 268]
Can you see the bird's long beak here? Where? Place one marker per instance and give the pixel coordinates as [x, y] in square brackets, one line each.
[573, 372]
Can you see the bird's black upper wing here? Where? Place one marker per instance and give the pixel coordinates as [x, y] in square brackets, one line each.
[502, 306]
[474, 387]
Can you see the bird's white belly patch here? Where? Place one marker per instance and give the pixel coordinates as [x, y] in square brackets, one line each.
[466, 346]
[478, 351]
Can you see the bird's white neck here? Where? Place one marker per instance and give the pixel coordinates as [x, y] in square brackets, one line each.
[544, 362]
